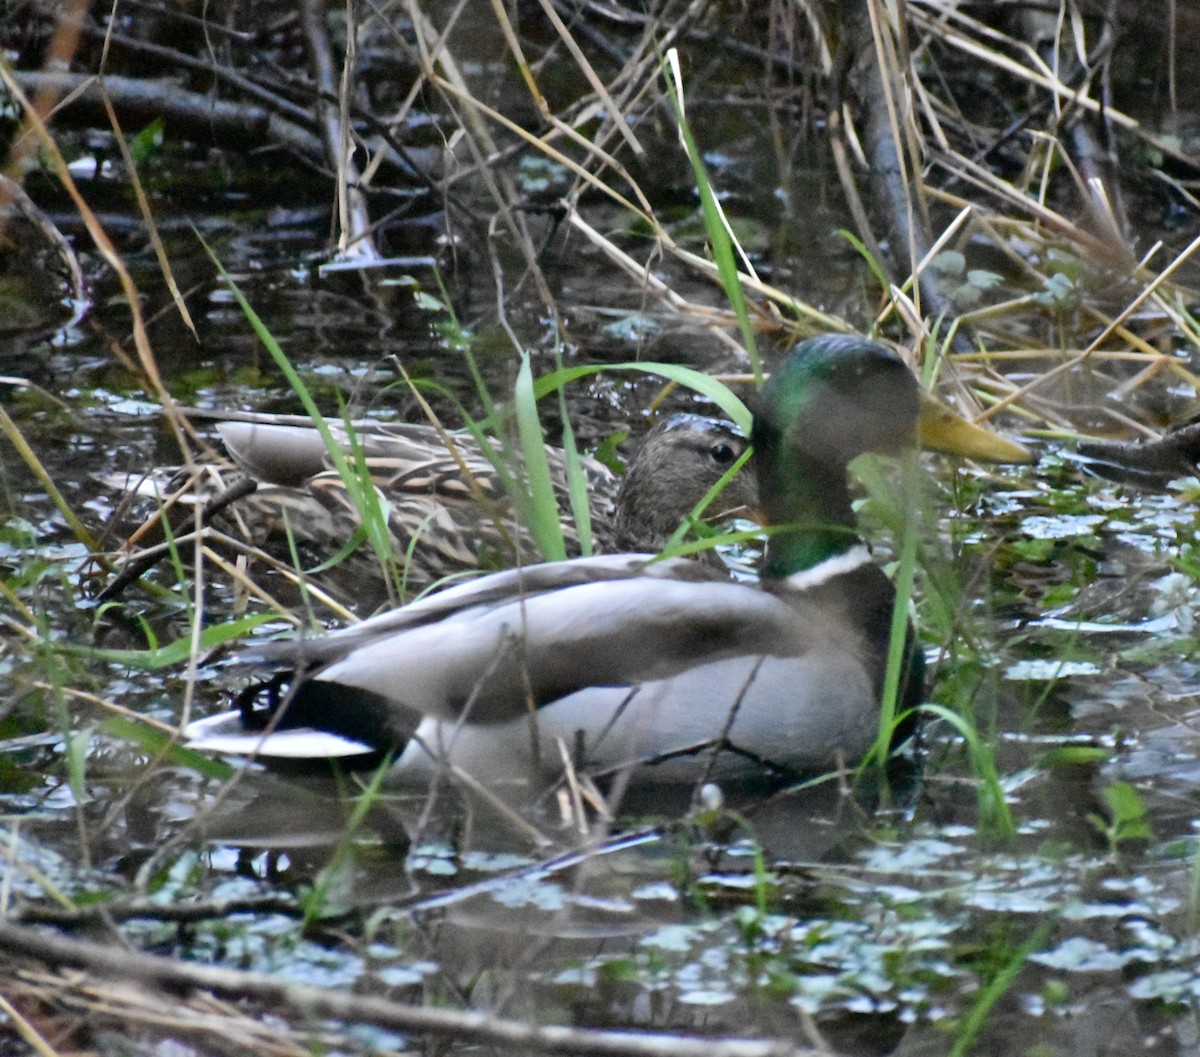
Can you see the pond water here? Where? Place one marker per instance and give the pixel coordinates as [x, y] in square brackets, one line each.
[1030, 882]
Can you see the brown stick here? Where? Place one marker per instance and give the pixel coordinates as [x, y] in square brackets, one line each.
[154, 971]
[896, 183]
[196, 115]
[147, 558]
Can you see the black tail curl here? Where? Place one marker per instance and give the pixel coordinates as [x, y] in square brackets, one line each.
[289, 700]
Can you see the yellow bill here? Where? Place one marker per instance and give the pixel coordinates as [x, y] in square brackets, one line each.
[939, 428]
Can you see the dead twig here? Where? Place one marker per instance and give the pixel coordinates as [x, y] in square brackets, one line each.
[355, 241]
[188, 113]
[153, 971]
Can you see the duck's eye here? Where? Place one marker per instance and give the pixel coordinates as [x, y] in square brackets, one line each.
[722, 454]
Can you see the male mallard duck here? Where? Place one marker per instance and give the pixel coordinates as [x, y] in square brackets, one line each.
[666, 670]
[448, 509]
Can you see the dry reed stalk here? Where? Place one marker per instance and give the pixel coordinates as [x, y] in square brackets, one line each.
[143, 202]
[104, 245]
[1030, 220]
[65, 1004]
[435, 54]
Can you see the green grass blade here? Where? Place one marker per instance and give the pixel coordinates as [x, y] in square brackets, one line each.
[720, 235]
[458, 337]
[699, 382]
[542, 509]
[351, 469]
[895, 672]
[861, 249]
[995, 989]
[994, 812]
[156, 742]
[577, 484]
[18, 441]
[173, 653]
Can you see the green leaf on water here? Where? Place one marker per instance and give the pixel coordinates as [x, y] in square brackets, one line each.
[1128, 810]
[1075, 756]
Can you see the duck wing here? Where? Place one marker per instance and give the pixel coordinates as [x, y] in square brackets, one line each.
[487, 592]
[476, 644]
[493, 662]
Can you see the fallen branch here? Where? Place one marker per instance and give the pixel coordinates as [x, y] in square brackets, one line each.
[198, 116]
[307, 1002]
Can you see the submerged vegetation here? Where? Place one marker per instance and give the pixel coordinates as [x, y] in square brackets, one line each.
[562, 221]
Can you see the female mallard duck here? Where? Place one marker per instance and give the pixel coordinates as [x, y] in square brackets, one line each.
[667, 671]
[447, 507]
[447, 492]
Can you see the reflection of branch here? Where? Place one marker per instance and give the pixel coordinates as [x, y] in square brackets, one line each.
[12, 193]
[307, 1002]
[175, 60]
